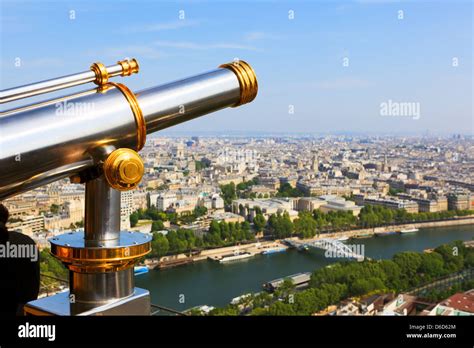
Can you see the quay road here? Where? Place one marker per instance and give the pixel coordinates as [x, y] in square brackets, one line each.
[174, 260]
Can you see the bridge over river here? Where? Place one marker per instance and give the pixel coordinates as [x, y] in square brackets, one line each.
[336, 247]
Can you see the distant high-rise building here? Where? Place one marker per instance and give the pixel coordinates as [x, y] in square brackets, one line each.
[315, 164]
[299, 164]
[385, 167]
[126, 208]
[178, 151]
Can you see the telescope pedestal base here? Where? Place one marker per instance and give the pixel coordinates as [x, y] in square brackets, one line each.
[136, 304]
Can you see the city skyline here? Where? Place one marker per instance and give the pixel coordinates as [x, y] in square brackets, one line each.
[333, 64]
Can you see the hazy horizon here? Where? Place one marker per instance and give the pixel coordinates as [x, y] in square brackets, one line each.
[245, 133]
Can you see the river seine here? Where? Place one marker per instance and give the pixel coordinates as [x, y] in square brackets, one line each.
[211, 283]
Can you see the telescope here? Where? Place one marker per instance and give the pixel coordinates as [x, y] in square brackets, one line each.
[93, 138]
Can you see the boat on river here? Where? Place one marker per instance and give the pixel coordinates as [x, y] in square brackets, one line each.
[363, 236]
[273, 250]
[238, 255]
[343, 239]
[409, 230]
[387, 233]
[137, 270]
[299, 280]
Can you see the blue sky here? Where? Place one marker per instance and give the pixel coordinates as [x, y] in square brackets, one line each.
[298, 61]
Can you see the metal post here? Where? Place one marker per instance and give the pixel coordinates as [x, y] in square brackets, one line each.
[102, 214]
[100, 262]
[102, 229]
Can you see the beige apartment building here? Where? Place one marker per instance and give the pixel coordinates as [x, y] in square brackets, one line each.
[72, 212]
[19, 208]
[28, 225]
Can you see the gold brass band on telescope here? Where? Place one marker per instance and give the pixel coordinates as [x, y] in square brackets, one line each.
[137, 112]
[247, 80]
[97, 260]
[129, 67]
[101, 74]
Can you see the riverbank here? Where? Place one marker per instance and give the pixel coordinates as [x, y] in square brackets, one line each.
[182, 259]
[258, 247]
[369, 232]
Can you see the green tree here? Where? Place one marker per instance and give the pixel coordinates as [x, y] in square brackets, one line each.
[364, 286]
[133, 219]
[432, 265]
[453, 256]
[262, 299]
[259, 222]
[305, 226]
[246, 233]
[215, 227]
[50, 266]
[224, 230]
[393, 192]
[286, 190]
[200, 165]
[280, 225]
[200, 211]
[409, 263]
[188, 237]
[157, 226]
[285, 289]
[280, 308]
[159, 245]
[329, 285]
[54, 208]
[228, 193]
[176, 245]
[172, 218]
[393, 274]
[229, 310]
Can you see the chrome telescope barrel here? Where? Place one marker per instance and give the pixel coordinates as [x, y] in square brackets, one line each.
[98, 74]
[57, 139]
